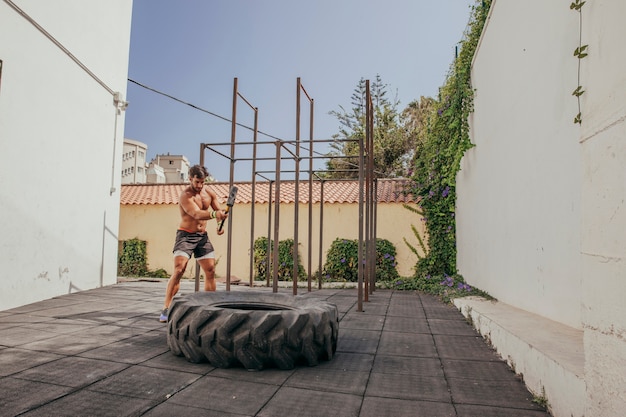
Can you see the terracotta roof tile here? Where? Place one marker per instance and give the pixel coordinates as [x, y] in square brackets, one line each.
[388, 191]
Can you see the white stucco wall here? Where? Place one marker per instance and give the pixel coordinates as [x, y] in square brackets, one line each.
[541, 209]
[61, 145]
[518, 211]
[603, 226]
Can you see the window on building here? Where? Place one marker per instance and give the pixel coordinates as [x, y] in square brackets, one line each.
[141, 154]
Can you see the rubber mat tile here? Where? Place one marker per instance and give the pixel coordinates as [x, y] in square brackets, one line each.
[89, 403]
[112, 331]
[148, 321]
[169, 410]
[345, 361]
[443, 312]
[178, 363]
[346, 382]
[61, 326]
[226, 395]
[357, 341]
[405, 365]
[19, 395]
[477, 370]
[270, 376]
[377, 407]
[18, 336]
[406, 324]
[145, 382]
[407, 344]
[66, 345]
[14, 360]
[408, 387]
[455, 327]
[464, 410]
[298, 402]
[362, 322]
[509, 394]
[464, 347]
[44, 305]
[126, 351]
[371, 309]
[409, 310]
[72, 371]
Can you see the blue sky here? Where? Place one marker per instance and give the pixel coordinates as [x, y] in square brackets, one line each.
[193, 49]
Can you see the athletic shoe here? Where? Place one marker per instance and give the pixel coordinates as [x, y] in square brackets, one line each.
[163, 318]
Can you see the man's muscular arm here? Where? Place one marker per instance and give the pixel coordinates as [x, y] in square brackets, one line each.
[189, 205]
[219, 213]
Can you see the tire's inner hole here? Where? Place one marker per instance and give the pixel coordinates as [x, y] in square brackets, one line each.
[253, 306]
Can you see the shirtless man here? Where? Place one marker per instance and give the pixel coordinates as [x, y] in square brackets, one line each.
[197, 204]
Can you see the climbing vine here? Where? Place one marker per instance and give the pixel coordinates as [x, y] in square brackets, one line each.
[580, 52]
[439, 155]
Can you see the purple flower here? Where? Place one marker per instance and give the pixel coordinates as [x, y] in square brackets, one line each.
[343, 260]
[445, 191]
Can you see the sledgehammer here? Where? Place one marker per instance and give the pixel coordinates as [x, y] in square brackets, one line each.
[229, 203]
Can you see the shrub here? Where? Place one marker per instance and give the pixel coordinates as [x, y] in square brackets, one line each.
[132, 258]
[342, 260]
[285, 259]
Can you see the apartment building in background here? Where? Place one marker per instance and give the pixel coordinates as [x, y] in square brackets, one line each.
[134, 169]
[169, 169]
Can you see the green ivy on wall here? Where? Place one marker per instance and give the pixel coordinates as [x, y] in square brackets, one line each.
[580, 52]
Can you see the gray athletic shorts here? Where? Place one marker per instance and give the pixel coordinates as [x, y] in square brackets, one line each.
[197, 244]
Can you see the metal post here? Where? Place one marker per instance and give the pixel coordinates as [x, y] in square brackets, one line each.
[310, 247]
[360, 246]
[268, 252]
[197, 277]
[276, 220]
[319, 263]
[253, 194]
[233, 132]
[296, 197]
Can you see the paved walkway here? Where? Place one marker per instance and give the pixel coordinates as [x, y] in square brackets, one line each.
[103, 353]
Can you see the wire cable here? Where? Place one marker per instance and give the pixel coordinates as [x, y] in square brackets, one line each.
[226, 119]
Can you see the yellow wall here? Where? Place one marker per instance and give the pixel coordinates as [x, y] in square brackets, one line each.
[156, 224]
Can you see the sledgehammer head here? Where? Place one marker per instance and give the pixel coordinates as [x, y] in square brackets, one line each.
[231, 197]
[230, 202]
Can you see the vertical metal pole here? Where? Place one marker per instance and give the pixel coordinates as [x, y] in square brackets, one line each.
[233, 132]
[374, 222]
[276, 219]
[296, 197]
[372, 195]
[197, 277]
[268, 252]
[310, 247]
[368, 134]
[253, 195]
[360, 246]
[319, 262]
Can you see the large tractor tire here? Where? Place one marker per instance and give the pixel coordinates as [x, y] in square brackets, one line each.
[252, 328]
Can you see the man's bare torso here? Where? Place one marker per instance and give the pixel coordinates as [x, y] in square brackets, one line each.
[200, 199]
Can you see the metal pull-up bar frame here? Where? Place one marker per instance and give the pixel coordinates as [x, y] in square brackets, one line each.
[367, 195]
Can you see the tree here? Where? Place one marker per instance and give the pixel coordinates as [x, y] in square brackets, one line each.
[392, 154]
[416, 123]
